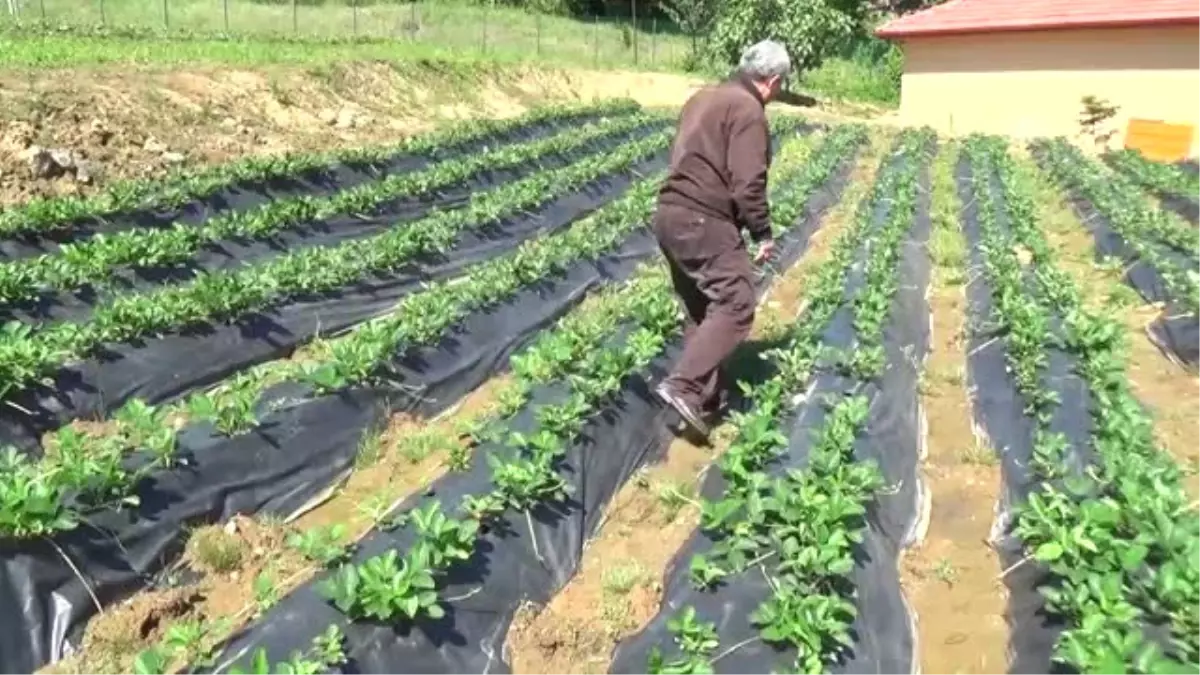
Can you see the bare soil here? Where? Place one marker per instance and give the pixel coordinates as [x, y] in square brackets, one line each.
[618, 587]
[951, 578]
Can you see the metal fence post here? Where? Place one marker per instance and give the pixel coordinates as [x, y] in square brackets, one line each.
[538, 28]
[166, 14]
[295, 17]
[103, 14]
[42, 3]
[595, 41]
[654, 40]
[486, 14]
[225, 9]
[634, 24]
[354, 15]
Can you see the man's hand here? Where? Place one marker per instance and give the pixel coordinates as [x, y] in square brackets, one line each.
[765, 251]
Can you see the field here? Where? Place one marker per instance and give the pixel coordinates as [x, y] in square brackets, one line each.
[389, 409]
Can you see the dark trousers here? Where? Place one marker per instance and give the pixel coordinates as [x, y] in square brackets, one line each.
[713, 277]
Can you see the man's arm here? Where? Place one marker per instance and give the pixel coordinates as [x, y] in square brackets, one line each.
[747, 161]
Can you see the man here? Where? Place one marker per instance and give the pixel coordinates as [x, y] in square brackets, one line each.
[715, 187]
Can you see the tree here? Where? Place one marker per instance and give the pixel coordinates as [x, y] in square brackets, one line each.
[810, 29]
[694, 18]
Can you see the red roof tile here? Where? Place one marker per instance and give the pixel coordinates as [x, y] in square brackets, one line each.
[987, 16]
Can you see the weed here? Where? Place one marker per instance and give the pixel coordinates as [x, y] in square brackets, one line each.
[672, 496]
[217, 550]
[281, 94]
[370, 449]
[944, 570]
[322, 545]
[420, 445]
[621, 578]
[266, 591]
[979, 454]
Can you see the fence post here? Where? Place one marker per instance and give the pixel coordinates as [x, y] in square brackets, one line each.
[295, 17]
[595, 41]
[225, 10]
[654, 41]
[166, 14]
[634, 24]
[486, 14]
[354, 15]
[42, 3]
[103, 14]
[538, 28]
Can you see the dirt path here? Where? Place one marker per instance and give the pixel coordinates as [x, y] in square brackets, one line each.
[1171, 394]
[619, 584]
[951, 578]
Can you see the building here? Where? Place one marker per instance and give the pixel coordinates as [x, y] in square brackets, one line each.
[1022, 67]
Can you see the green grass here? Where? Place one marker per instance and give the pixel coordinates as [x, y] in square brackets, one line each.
[868, 72]
[77, 33]
[197, 31]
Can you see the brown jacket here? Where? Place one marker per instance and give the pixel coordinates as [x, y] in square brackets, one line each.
[720, 157]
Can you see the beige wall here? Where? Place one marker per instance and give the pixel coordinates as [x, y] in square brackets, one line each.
[1027, 84]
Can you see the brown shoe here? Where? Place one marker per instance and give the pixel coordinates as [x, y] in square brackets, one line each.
[685, 411]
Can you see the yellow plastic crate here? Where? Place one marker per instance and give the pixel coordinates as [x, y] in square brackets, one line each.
[1160, 141]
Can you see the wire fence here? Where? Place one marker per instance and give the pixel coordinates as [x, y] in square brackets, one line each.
[482, 29]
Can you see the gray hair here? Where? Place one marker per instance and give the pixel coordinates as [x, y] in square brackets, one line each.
[764, 60]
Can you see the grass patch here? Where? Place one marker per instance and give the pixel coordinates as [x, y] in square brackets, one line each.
[135, 31]
[370, 448]
[622, 578]
[216, 550]
[944, 570]
[857, 78]
[64, 33]
[979, 454]
[672, 496]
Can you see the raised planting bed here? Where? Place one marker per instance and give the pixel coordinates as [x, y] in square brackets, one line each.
[106, 265]
[224, 320]
[535, 486]
[794, 565]
[1097, 533]
[1177, 186]
[194, 196]
[94, 512]
[1160, 253]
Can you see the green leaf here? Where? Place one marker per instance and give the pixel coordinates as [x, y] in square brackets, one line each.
[1049, 551]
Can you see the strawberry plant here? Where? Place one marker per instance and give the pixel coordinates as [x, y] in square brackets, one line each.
[1118, 536]
[124, 197]
[1167, 244]
[325, 654]
[28, 355]
[696, 641]
[386, 587]
[100, 257]
[231, 410]
[320, 545]
[798, 529]
[1157, 176]
[404, 587]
